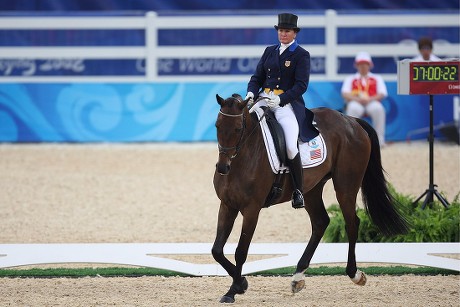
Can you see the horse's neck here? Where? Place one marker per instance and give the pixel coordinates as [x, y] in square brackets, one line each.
[253, 136]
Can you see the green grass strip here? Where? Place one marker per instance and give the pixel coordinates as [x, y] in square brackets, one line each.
[371, 270]
[84, 272]
[138, 272]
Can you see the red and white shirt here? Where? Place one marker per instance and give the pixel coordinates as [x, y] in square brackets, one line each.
[369, 85]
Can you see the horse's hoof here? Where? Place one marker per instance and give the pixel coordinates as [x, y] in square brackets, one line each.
[296, 286]
[360, 278]
[227, 299]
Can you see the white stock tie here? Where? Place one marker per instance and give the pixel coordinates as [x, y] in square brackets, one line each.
[282, 48]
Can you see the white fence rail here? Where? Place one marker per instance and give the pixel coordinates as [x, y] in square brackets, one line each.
[151, 52]
[277, 255]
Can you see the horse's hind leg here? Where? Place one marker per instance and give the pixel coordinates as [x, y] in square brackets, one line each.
[319, 221]
[347, 203]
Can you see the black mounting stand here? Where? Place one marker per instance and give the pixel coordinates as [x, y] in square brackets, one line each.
[432, 187]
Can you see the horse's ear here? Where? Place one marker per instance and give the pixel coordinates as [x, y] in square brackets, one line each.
[220, 100]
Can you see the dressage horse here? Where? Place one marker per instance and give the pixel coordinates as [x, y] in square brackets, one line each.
[243, 179]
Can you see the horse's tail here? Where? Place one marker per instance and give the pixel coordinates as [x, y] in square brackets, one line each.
[384, 211]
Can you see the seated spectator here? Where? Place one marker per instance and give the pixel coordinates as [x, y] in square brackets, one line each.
[363, 93]
[425, 47]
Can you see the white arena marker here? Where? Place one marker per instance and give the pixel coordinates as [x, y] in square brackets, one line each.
[283, 255]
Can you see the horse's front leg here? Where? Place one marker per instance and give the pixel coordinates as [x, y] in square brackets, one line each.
[225, 221]
[240, 284]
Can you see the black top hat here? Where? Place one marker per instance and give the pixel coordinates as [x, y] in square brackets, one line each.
[287, 21]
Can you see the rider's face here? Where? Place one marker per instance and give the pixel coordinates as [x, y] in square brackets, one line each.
[286, 36]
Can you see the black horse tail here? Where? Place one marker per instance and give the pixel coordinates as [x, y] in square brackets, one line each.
[385, 212]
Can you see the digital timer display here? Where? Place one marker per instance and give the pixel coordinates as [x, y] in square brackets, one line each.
[435, 73]
[429, 78]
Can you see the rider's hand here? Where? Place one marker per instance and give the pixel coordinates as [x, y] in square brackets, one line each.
[273, 101]
[250, 96]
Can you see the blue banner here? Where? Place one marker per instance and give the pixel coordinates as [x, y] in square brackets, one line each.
[222, 66]
[71, 67]
[136, 67]
[166, 112]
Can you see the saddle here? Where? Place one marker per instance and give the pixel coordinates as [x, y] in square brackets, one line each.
[277, 134]
[280, 147]
[313, 152]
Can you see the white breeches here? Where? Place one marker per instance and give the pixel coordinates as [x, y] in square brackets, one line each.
[375, 110]
[286, 117]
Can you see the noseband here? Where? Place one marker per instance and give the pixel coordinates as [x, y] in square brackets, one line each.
[237, 147]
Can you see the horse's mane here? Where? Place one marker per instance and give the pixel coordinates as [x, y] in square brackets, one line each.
[237, 97]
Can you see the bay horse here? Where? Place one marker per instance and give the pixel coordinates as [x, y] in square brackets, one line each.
[243, 179]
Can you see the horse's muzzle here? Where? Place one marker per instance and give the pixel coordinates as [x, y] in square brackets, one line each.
[223, 168]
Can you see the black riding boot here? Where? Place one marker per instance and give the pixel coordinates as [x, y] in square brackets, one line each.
[295, 167]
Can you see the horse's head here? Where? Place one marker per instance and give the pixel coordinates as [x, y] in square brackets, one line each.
[230, 125]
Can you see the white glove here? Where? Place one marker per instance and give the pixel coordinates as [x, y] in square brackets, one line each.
[273, 101]
[250, 96]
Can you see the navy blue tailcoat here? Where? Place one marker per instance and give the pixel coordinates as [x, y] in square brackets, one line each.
[289, 72]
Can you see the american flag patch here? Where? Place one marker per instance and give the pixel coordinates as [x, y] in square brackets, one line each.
[315, 154]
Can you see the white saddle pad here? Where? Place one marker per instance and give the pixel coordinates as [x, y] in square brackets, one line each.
[312, 153]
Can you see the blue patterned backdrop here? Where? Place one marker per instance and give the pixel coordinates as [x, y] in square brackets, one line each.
[144, 112]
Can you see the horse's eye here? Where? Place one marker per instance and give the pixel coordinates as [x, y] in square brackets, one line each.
[238, 129]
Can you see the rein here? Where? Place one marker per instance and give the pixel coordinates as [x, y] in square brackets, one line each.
[241, 142]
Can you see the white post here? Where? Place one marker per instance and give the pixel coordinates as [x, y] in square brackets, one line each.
[151, 43]
[331, 45]
[456, 108]
[457, 113]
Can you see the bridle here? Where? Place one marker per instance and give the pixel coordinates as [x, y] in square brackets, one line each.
[241, 142]
[237, 147]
